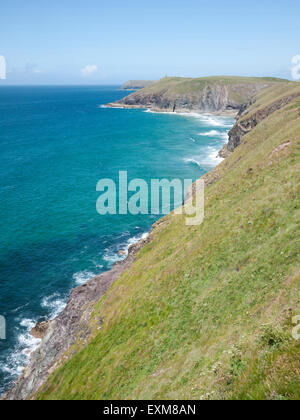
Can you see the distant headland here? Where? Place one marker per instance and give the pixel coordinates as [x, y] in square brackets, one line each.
[136, 84]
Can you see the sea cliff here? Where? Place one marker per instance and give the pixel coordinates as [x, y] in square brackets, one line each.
[211, 94]
[198, 312]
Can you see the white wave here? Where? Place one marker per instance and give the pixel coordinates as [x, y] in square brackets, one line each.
[214, 133]
[210, 133]
[55, 304]
[215, 121]
[26, 339]
[20, 356]
[192, 160]
[110, 107]
[222, 135]
[209, 158]
[136, 239]
[209, 119]
[212, 158]
[83, 276]
[26, 344]
[160, 112]
[111, 256]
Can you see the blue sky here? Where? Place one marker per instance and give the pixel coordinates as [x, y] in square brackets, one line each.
[108, 42]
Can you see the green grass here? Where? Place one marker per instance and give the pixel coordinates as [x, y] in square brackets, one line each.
[205, 311]
[186, 85]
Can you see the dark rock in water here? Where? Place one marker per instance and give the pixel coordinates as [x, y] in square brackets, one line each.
[39, 331]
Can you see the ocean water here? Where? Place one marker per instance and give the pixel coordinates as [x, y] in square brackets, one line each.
[55, 144]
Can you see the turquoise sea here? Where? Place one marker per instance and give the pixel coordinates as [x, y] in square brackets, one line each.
[55, 144]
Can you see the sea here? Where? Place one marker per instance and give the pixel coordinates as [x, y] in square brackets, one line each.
[56, 143]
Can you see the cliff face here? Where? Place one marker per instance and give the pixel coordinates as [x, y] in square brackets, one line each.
[215, 94]
[246, 123]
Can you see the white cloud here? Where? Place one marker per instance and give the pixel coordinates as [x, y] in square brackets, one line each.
[31, 68]
[296, 67]
[2, 68]
[89, 69]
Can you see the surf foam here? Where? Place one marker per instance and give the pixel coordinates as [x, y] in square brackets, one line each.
[54, 304]
[112, 255]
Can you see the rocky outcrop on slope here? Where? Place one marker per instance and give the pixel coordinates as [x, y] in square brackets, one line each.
[245, 124]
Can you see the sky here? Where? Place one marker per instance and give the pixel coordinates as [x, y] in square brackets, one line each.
[109, 42]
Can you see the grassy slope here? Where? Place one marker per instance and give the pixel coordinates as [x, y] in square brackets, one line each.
[205, 311]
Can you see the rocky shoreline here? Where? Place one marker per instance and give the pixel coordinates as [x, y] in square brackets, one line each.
[70, 327]
[224, 113]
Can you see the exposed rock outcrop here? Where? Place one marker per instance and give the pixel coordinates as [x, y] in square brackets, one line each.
[245, 124]
[40, 330]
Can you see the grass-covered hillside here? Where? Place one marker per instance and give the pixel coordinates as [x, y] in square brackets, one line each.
[217, 93]
[205, 312]
[185, 84]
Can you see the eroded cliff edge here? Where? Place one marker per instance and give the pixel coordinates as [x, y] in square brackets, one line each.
[246, 121]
